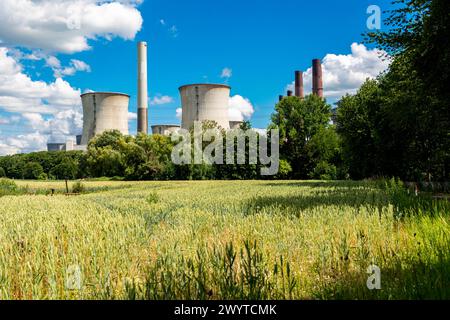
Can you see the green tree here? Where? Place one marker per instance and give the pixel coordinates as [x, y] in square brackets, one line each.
[32, 170]
[66, 170]
[2, 173]
[357, 126]
[414, 122]
[298, 120]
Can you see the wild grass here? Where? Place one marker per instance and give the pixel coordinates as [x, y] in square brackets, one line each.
[225, 240]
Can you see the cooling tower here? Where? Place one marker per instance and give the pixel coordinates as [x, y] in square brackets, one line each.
[202, 102]
[103, 111]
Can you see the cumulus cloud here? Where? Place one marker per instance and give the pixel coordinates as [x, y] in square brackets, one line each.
[160, 100]
[66, 25]
[23, 143]
[29, 101]
[179, 112]
[240, 108]
[344, 74]
[19, 93]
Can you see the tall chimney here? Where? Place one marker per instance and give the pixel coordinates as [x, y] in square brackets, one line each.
[317, 78]
[299, 89]
[289, 93]
[142, 88]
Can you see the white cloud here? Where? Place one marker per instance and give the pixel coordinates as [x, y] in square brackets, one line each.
[179, 113]
[132, 116]
[19, 93]
[23, 143]
[66, 25]
[29, 101]
[240, 108]
[75, 66]
[344, 74]
[227, 73]
[162, 22]
[160, 100]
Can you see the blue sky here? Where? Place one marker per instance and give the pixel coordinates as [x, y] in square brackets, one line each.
[262, 42]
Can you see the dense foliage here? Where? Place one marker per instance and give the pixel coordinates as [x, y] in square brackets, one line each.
[399, 124]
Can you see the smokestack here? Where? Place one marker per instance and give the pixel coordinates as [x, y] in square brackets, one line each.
[317, 78]
[289, 93]
[299, 89]
[142, 88]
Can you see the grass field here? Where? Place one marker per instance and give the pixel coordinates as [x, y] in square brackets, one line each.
[223, 240]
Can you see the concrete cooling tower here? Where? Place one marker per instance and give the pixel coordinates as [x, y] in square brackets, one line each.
[103, 111]
[202, 102]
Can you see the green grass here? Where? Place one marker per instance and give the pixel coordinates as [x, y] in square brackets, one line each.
[224, 240]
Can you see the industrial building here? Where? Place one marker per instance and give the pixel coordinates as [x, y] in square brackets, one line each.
[103, 111]
[202, 102]
[165, 129]
[317, 82]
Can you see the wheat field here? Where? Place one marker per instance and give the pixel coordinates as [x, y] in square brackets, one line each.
[221, 240]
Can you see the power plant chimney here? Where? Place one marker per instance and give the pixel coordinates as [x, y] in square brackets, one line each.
[299, 89]
[142, 88]
[317, 78]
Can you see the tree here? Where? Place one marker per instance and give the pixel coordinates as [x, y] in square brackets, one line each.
[2, 173]
[415, 124]
[66, 170]
[357, 126]
[32, 170]
[298, 120]
[324, 150]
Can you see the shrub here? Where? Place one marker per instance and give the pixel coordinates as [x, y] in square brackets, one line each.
[8, 187]
[2, 173]
[78, 187]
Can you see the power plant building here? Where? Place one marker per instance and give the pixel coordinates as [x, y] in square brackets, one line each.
[103, 111]
[165, 129]
[201, 102]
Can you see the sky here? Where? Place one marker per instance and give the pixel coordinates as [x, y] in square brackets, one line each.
[51, 51]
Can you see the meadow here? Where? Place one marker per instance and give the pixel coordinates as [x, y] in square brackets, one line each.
[223, 240]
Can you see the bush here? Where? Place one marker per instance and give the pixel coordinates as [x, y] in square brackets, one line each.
[43, 176]
[78, 187]
[324, 171]
[285, 170]
[2, 173]
[8, 187]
